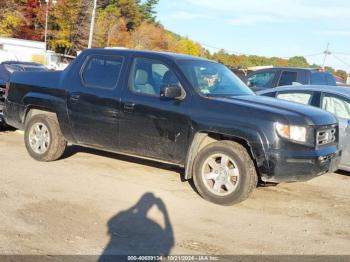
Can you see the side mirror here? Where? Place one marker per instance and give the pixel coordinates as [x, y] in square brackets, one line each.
[249, 84]
[172, 92]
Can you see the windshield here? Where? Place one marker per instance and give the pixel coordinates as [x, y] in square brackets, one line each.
[212, 79]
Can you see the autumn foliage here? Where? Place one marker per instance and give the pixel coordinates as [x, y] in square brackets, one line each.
[119, 23]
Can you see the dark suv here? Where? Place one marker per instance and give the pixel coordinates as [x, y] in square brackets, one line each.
[284, 76]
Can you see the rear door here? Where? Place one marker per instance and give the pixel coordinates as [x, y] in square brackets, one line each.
[94, 103]
[340, 107]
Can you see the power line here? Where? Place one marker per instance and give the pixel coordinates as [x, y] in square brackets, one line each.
[339, 53]
[317, 54]
[341, 60]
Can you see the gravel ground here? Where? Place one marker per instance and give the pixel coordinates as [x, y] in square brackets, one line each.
[93, 202]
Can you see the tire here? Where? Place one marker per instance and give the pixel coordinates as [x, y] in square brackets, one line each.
[52, 148]
[224, 173]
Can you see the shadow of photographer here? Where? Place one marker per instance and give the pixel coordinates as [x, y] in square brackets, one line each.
[133, 233]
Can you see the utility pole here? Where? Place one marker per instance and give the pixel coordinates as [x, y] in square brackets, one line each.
[326, 53]
[46, 22]
[92, 25]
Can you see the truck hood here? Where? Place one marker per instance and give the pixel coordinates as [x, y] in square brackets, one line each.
[294, 113]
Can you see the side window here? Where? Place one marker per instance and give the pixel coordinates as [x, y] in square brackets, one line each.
[297, 97]
[287, 78]
[336, 105]
[102, 71]
[330, 80]
[264, 79]
[149, 76]
[318, 78]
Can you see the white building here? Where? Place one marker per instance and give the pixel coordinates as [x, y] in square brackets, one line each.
[21, 50]
[12, 49]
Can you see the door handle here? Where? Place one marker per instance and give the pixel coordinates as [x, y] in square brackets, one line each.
[129, 107]
[74, 97]
[113, 113]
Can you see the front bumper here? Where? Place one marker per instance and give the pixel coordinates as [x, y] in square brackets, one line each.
[286, 166]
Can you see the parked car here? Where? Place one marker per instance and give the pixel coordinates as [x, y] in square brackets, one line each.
[280, 76]
[335, 100]
[172, 108]
[6, 70]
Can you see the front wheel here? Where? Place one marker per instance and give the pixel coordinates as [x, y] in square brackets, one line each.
[43, 138]
[224, 173]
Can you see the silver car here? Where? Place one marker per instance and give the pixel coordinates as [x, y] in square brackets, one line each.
[334, 99]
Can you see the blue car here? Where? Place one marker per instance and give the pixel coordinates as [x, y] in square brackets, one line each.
[334, 99]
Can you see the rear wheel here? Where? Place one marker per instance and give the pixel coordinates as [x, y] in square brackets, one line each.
[224, 173]
[43, 138]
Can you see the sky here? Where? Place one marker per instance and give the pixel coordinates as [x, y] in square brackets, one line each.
[282, 28]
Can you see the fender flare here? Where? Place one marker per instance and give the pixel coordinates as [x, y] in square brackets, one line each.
[256, 150]
[51, 104]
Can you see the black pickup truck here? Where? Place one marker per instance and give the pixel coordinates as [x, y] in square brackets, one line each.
[172, 108]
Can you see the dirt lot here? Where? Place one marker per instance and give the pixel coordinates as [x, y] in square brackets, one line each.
[93, 202]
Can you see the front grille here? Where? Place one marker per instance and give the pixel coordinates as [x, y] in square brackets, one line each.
[326, 136]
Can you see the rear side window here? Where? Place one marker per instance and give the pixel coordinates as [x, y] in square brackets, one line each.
[102, 71]
[318, 78]
[287, 78]
[330, 80]
[263, 79]
[297, 97]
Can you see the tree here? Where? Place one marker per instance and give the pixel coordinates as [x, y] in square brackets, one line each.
[147, 10]
[32, 14]
[70, 26]
[106, 24]
[187, 46]
[329, 69]
[10, 18]
[149, 36]
[341, 73]
[298, 61]
[130, 11]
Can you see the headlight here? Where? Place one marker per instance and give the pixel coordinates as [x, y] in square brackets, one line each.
[295, 133]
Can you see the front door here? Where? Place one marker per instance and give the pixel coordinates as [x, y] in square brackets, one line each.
[152, 126]
[94, 105]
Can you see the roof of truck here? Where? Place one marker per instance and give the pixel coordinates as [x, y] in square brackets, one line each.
[174, 56]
